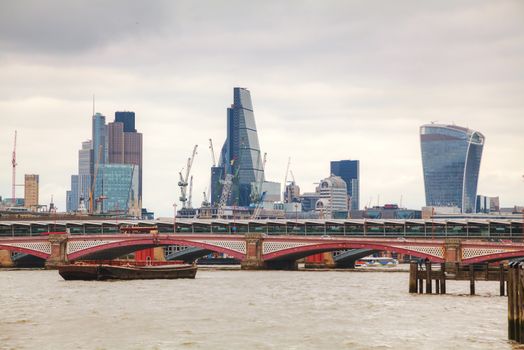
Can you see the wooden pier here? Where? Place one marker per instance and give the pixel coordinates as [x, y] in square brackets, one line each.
[516, 302]
[428, 274]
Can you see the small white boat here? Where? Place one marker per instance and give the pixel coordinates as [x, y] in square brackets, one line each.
[371, 261]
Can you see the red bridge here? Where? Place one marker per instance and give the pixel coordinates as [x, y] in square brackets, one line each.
[256, 250]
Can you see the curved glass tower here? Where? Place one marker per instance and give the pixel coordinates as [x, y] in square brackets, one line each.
[451, 161]
[240, 154]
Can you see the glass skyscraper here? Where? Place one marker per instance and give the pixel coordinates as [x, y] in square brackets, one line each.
[116, 188]
[124, 143]
[451, 161]
[349, 171]
[126, 118]
[99, 133]
[240, 154]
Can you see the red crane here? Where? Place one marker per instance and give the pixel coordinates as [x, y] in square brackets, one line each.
[13, 162]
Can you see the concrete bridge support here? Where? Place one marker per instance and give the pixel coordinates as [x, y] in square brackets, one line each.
[58, 251]
[253, 260]
[5, 259]
[452, 251]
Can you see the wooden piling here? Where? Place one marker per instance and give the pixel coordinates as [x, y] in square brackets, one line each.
[428, 278]
[501, 278]
[516, 323]
[443, 278]
[413, 277]
[520, 305]
[511, 314]
[437, 286]
[471, 279]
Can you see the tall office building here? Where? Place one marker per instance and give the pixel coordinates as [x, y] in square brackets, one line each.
[240, 154]
[81, 182]
[113, 158]
[85, 168]
[99, 133]
[349, 171]
[126, 118]
[125, 143]
[73, 196]
[451, 161]
[31, 185]
[115, 143]
[133, 155]
[333, 202]
[117, 189]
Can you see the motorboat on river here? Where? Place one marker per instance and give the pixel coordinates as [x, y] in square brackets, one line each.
[376, 262]
[102, 272]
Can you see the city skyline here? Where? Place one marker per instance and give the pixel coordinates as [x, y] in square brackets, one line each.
[319, 102]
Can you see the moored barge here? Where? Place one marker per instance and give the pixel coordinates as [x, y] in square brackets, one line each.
[102, 272]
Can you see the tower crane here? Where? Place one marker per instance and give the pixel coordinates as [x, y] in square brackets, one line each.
[212, 152]
[205, 202]
[190, 198]
[227, 184]
[292, 177]
[259, 194]
[13, 162]
[183, 179]
[285, 178]
[255, 196]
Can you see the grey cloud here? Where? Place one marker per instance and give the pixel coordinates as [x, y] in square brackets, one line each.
[57, 27]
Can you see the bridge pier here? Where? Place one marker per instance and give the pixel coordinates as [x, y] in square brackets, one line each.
[452, 251]
[253, 260]
[58, 251]
[5, 259]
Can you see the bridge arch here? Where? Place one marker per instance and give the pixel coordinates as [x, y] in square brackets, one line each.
[23, 250]
[131, 245]
[494, 257]
[306, 250]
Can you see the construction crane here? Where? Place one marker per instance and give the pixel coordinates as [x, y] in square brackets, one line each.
[13, 162]
[259, 195]
[292, 177]
[212, 152]
[256, 196]
[190, 198]
[227, 184]
[258, 207]
[205, 202]
[285, 177]
[183, 179]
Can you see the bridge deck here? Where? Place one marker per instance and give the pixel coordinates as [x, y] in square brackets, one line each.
[438, 228]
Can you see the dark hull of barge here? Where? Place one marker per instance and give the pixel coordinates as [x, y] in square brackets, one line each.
[110, 272]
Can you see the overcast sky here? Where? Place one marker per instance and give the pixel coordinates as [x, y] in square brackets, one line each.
[329, 80]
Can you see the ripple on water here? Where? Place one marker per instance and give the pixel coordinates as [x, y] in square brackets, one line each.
[247, 310]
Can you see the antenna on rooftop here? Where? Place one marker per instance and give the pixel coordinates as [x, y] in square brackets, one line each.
[93, 104]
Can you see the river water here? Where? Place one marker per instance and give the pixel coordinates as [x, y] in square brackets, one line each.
[247, 310]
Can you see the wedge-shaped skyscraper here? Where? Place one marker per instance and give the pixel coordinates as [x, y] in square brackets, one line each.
[240, 154]
[451, 161]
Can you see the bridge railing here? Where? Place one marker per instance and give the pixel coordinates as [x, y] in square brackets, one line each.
[408, 229]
